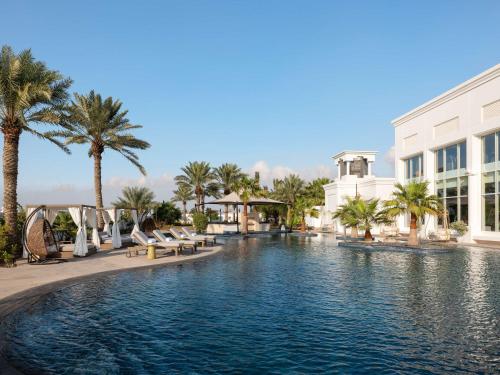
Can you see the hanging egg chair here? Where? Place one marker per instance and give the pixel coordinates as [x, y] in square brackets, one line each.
[41, 241]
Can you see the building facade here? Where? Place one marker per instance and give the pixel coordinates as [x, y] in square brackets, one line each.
[355, 177]
[453, 142]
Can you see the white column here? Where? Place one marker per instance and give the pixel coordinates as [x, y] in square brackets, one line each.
[338, 170]
[348, 167]
[369, 168]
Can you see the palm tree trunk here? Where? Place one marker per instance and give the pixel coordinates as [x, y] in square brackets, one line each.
[184, 212]
[303, 224]
[354, 232]
[98, 188]
[245, 219]
[368, 235]
[413, 236]
[226, 213]
[289, 218]
[10, 172]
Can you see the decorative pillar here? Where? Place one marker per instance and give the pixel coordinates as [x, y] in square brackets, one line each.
[348, 168]
[369, 168]
[338, 170]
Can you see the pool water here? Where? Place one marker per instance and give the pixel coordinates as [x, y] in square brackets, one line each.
[272, 305]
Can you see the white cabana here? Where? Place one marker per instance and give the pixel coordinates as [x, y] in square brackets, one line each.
[135, 218]
[116, 239]
[91, 215]
[107, 220]
[78, 216]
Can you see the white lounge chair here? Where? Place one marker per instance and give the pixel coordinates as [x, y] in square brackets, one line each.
[181, 237]
[184, 243]
[192, 235]
[143, 240]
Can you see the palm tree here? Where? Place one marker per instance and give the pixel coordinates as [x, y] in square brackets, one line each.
[30, 94]
[183, 194]
[304, 206]
[139, 197]
[103, 125]
[200, 178]
[368, 214]
[288, 191]
[347, 215]
[314, 189]
[228, 176]
[247, 188]
[413, 199]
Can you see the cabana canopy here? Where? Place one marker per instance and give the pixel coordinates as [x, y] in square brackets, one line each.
[235, 199]
[80, 213]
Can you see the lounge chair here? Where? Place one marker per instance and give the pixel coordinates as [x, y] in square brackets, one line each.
[185, 243]
[143, 240]
[181, 237]
[192, 235]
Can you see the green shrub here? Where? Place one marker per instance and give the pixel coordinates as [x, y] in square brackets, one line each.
[167, 213]
[460, 227]
[200, 221]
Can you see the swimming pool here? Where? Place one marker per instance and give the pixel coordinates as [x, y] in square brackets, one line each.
[272, 305]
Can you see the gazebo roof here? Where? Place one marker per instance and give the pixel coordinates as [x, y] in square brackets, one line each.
[234, 198]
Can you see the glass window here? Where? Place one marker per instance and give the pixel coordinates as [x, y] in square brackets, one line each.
[415, 167]
[489, 183]
[452, 207]
[440, 188]
[489, 213]
[489, 149]
[439, 161]
[464, 185]
[451, 158]
[463, 155]
[451, 187]
[464, 209]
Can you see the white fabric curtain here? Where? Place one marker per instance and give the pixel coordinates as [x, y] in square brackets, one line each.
[78, 216]
[107, 220]
[50, 215]
[135, 218]
[29, 211]
[116, 239]
[92, 221]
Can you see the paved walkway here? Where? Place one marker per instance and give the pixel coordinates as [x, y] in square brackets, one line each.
[26, 276]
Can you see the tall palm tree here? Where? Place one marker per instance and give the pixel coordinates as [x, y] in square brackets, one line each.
[247, 188]
[199, 176]
[103, 125]
[228, 176]
[347, 215]
[413, 199]
[183, 194]
[30, 94]
[315, 191]
[139, 197]
[288, 191]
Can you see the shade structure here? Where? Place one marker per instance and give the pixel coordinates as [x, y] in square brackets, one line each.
[234, 198]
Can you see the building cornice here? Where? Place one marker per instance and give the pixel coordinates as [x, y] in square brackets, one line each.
[461, 89]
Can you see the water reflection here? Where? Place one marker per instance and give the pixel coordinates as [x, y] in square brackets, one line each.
[279, 304]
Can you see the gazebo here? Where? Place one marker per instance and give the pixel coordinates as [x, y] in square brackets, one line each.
[235, 200]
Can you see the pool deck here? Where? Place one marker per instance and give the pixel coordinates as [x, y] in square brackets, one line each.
[27, 276]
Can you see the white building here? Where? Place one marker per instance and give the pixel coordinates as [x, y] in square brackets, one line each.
[453, 141]
[355, 177]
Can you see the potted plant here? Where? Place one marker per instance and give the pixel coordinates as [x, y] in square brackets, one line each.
[459, 229]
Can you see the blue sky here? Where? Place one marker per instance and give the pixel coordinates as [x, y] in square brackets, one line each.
[274, 85]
